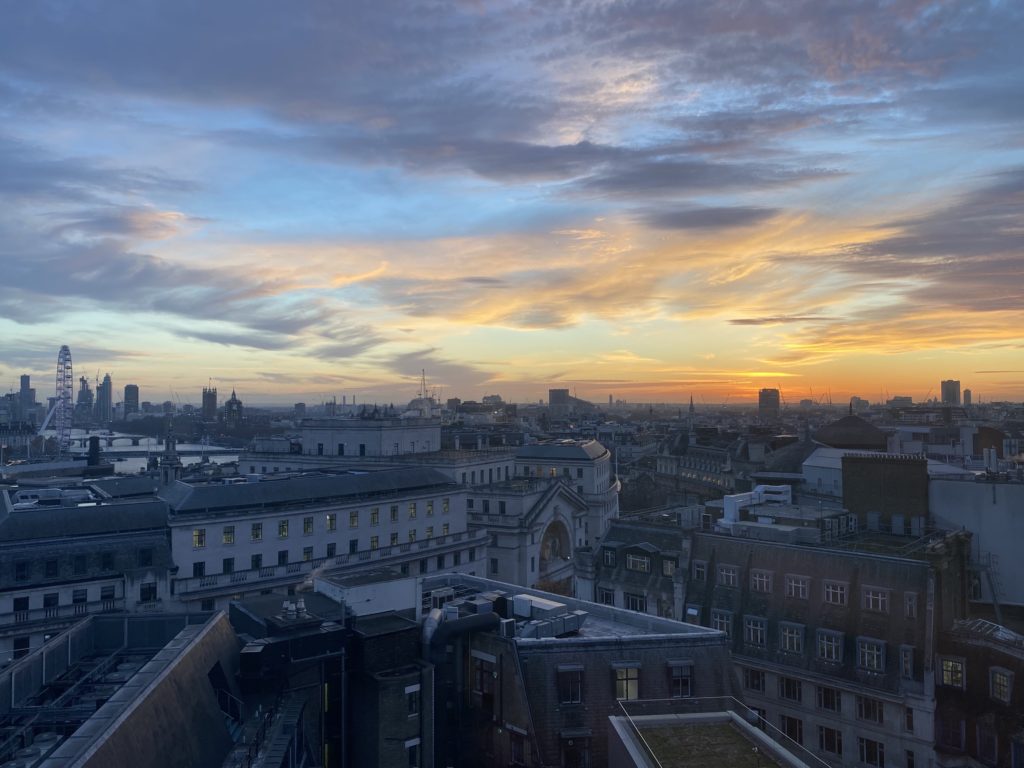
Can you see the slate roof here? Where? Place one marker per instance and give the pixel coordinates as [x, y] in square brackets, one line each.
[46, 522]
[184, 498]
[563, 450]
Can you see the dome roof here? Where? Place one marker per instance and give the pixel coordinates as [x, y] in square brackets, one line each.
[852, 432]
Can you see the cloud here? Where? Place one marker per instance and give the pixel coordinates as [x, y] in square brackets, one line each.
[776, 319]
[707, 217]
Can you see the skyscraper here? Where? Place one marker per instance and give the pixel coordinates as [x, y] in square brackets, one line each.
[967, 396]
[131, 399]
[209, 403]
[768, 405]
[950, 390]
[28, 397]
[105, 400]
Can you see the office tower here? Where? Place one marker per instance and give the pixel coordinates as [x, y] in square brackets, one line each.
[104, 409]
[967, 396]
[768, 405]
[950, 390]
[131, 399]
[27, 395]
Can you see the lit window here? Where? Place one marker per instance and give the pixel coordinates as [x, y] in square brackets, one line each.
[282, 529]
[307, 526]
[412, 534]
[1000, 684]
[257, 532]
[444, 529]
[445, 505]
[375, 516]
[394, 538]
[228, 536]
[394, 513]
[198, 538]
[430, 509]
[952, 673]
[627, 683]
[332, 522]
[412, 510]
[374, 542]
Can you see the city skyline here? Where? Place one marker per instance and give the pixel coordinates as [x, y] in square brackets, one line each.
[648, 201]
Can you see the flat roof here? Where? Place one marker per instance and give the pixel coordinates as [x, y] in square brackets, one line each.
[602, 622]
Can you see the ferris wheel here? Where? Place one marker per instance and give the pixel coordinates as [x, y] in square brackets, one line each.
[64, 403]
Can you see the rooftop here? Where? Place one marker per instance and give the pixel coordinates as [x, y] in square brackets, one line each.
[301, 490]
[563, 450]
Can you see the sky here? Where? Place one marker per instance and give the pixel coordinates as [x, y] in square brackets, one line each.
[648, 200]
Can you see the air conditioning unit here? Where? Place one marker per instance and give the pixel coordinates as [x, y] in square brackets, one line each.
[507, 628]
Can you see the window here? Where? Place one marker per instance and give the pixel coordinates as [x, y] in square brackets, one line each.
[830, 645]
[570, 685]
[988, 744]
[793, 727]
[727, 575]
[332, 548]
[256, 562]
[830, 699]
[871, 710]
[907, 662]
[412, 510]
[762, 718]
[908, 719]
[790, 688]
[791, 638]
[797, 587]
[910, 759]
[952, 733]
[605, 596]
[228, 535]
[951, 672]
[494, 566]
[871, 752]
[1000, 684]
[198, 569]
[394, 538]
[910, 605]
[635, 602]
[430, 509]
[681, 680]
[257, 532]
[282, 529]
[700, 571]
[754, 679]
[871, 654]
[487, 506]
[282, 557]
[440, 562]
[609, 557]
[412, 534]
[374, 542]
[21, 569]
[228, 566]
[761, 581]
[668, 567]
[330, 522]
[754, 631]
[722, 621]
[429, 533]
[835, 593]
[445, 506]
[147, 592]
[830, 740]
[394, 513]
[412, 702]
[444, 529]
[516, 748]
[874, 599]
[638, 563]
[198, 538]
[627, 683]
[374, 516]
[21, 646]
[412, 750]
[307, 553]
